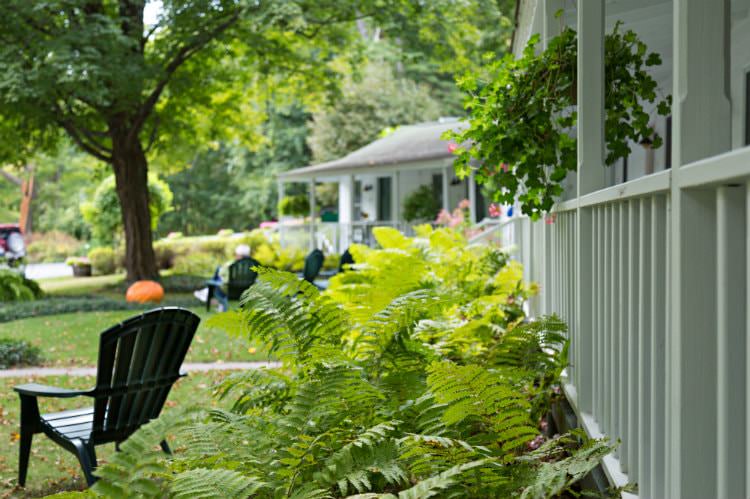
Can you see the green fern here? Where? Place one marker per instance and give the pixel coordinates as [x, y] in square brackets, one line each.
[201, 483]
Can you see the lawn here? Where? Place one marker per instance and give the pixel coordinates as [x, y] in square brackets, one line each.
[73, 339]
[52, 469]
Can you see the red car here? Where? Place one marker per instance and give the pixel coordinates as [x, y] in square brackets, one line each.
[12, 245]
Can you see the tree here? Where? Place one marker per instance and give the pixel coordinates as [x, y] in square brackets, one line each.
[103, 212]
[367, 107]
[122, 91]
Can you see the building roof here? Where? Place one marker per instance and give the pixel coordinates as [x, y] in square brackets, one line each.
[407, 144]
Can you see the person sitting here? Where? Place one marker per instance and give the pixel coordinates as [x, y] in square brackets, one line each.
[220, 277]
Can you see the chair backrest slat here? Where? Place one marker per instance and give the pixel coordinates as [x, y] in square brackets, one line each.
[139, 360]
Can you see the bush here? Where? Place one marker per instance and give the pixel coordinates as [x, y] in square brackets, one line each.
[331, 261]
[196, 264]
[421, 204]
[16, 287]
[103, 260]
[18, 353]
[71, 304]
[298, 205]
[54, 246]
[164, 256]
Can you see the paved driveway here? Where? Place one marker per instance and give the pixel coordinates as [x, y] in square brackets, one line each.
[47, 270]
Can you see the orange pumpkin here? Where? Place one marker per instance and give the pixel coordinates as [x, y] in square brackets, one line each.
[145, 291]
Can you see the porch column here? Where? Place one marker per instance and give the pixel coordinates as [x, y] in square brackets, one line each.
[590, 177]
[346, 213]
[280, 190]
[396, 197]
[311, 197]
[446, 202]
[707, 443]
[472, 198]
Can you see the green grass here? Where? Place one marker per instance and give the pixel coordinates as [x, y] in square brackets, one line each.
[73, 339]
[52, 469]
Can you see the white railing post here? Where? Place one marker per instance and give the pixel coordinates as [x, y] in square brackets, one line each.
[311, 197]
[590, 99]
[701, 128]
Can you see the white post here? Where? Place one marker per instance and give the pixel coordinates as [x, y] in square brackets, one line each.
[591, 177]
[396, 198]
[701, 128]
[472, 198]
[446, 203]
[280, 189]
[346, 214]
[311, 197]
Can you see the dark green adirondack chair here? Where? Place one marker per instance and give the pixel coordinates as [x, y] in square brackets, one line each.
[313, 264]
[139, 361]
[241, 277]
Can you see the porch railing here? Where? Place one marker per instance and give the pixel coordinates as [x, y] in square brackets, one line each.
[334, 237]
[652, 278]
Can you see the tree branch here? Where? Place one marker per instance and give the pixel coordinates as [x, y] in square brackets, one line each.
[92, 147]
[179, 58]
[10, 177]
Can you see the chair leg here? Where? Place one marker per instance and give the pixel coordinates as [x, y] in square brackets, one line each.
[29, 426]
[209, 297]
[165, 447]
[23, 456]
[87, 457]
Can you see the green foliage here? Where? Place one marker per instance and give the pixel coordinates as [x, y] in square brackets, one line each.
[522, 117]
[15, 287]
[104, 260]
[380, 100]
[70, 304]
[18, 353]
[54, 246]
[370, 404]
[104, 215]
[196, 264]
[422, 204]
[297, 205]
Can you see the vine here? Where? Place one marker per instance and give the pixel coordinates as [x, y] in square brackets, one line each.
[520, 142]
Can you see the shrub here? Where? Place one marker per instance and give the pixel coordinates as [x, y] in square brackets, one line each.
[71, 304]
[18, 353]
[422, 204]
[196, 264]
[103, 260]
[225, 233]
[415, 376]
[298, 205]
[331, 261]
[164, 256]
[54, 246]
[16, 287]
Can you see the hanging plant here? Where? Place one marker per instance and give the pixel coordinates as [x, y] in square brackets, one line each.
[522, 117]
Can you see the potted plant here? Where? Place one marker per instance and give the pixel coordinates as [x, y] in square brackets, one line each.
[520, 142]
[81, 266]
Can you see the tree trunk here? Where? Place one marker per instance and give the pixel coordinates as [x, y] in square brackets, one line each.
[131, 178]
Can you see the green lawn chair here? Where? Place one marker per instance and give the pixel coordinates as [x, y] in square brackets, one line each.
[139, 361]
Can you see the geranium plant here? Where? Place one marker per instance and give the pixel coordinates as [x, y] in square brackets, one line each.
[520, 142]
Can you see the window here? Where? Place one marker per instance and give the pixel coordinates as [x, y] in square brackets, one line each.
[357, 202]
[747, 108]
[384, 198]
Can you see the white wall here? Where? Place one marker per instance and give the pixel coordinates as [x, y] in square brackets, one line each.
[740, 65]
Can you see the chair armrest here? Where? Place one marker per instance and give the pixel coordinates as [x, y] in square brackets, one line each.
[37, 390]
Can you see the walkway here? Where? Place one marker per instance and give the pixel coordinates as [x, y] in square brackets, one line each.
[91, 371]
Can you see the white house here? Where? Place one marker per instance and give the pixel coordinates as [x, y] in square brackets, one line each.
[374, 181]
[651, 268]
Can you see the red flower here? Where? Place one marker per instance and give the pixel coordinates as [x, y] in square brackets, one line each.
[494, 210]
[452, 147]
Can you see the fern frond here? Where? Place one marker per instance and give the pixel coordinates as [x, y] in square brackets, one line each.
[430, 487]
[201, 483]
[266, 388]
